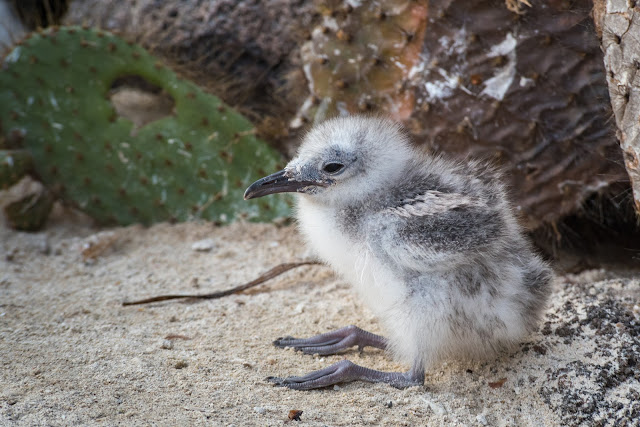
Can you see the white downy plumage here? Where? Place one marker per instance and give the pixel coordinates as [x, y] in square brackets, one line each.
[432, 246]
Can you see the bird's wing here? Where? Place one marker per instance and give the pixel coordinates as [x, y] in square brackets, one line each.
[436, 228]
[434, 202]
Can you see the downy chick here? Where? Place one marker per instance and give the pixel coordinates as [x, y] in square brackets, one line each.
[432, 246]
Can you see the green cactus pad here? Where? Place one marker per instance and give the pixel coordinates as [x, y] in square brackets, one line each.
[194, 163]
[14, 164]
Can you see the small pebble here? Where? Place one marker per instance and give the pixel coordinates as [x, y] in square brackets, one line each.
[389, 404]
[336, 387]
[167, 344]
[436, 407]
[295, 414]
[43, 246]
[204, 245]
[11, 255]
[260, 410]
[482, 419]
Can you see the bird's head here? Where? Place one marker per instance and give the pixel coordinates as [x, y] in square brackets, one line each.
[343, 160]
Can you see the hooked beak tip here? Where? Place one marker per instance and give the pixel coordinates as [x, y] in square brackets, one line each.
[280, 182]
[274, 183]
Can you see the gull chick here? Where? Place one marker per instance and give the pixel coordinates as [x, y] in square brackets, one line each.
[432, 247]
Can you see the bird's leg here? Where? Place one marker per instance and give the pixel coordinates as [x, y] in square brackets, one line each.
[346, 371]
[333, 342]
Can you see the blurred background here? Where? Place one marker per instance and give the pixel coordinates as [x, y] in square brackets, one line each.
[546, 90]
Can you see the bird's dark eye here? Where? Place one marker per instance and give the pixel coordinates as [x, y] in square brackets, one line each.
[333, 167]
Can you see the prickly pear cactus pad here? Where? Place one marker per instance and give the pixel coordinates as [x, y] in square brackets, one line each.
[194, 163]
[361, 56]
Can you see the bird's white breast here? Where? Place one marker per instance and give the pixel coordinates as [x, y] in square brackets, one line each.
[352, 260]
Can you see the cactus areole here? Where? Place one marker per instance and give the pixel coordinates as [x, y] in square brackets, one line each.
[193, 163]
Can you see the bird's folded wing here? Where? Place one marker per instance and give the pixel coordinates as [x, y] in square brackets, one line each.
[434, 202]
[436, 228]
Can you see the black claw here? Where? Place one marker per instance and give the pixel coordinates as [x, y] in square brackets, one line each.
[278, 341]
[277, 381]
[282, 382]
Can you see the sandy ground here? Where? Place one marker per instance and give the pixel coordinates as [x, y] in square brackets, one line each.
[71, 354]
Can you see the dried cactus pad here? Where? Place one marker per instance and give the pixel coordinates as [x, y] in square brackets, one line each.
[14, 164]
[361, 58]
[194, 163]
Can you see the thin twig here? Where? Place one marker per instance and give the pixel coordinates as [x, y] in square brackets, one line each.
[276, 271]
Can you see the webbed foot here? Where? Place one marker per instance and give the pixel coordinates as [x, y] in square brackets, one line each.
[333, 342]
[346, 371]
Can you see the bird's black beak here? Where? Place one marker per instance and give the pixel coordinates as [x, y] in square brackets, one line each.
[279, 182]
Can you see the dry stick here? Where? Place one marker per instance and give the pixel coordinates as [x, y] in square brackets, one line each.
[276, 271]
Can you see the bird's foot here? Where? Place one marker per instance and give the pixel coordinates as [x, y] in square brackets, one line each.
[346, 371]
[333, 342]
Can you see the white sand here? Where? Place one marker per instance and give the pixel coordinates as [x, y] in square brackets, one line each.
[72, 354]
